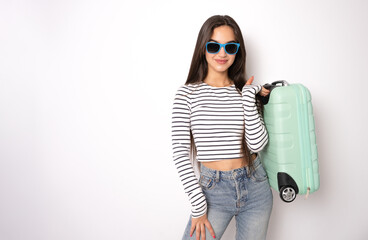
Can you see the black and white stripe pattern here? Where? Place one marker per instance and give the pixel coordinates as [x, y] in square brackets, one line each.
[256, 135]
[216, 117]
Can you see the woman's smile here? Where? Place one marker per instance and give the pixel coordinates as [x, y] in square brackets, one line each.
[219, 61]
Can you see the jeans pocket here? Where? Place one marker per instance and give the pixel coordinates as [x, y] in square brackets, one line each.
[207, 183]
[259, 174]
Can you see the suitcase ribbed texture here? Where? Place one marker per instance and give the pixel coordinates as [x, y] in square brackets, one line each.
[292, 147]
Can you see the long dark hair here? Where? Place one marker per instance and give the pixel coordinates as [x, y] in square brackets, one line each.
[236, 72]
[199, 67]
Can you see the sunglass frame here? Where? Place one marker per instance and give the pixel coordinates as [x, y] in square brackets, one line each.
[223, 46]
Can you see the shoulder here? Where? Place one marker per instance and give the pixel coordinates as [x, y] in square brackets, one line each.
[186, 89]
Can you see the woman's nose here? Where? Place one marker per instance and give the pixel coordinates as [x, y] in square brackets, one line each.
[222, 52]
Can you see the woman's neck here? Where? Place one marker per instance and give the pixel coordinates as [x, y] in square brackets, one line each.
[218, 79]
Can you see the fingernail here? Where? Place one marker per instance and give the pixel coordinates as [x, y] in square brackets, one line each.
[214, 237]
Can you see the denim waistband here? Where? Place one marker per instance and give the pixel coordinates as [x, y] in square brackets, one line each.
[229, 174]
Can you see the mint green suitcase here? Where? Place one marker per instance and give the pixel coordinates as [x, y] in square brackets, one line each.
[290, 158]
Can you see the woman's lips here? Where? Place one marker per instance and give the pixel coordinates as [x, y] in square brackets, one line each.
[220, 61]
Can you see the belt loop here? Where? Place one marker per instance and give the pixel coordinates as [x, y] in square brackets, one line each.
[217, 175]
[247, 170]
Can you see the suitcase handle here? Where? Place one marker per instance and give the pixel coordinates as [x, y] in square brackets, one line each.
[283, 82]
[271, 87]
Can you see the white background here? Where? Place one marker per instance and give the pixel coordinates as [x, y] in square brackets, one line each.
[86, 90]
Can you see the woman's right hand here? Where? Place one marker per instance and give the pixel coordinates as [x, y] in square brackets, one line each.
[200, 224]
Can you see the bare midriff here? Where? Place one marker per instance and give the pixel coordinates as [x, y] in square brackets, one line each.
[229, 164]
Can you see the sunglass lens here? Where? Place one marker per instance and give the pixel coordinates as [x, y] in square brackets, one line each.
[231, 48]
[213, 47]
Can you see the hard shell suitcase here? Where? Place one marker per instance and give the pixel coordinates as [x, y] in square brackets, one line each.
[290, 158]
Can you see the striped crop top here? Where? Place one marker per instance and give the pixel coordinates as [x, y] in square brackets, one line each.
[216, 116]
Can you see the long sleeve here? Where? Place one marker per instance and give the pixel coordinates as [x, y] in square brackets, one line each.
[256, 135]
[181, 150]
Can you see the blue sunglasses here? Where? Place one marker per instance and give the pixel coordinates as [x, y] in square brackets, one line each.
[230, 48]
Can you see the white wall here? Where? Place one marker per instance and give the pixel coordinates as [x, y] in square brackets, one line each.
[85, 113]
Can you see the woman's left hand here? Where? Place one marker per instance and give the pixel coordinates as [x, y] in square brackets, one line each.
[264, 92]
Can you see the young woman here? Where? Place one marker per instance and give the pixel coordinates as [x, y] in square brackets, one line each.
[217, 120]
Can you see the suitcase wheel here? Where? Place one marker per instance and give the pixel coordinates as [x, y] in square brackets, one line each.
[287, 194]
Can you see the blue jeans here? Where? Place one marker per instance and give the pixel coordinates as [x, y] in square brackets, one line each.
[236, 193]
